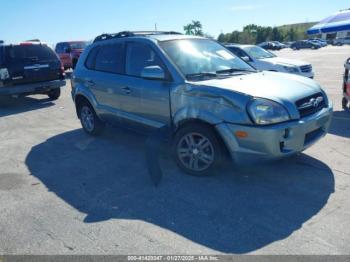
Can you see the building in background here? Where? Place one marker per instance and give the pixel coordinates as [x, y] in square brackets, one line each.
[334, 26]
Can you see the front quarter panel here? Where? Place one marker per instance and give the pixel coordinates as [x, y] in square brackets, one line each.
[208, 104]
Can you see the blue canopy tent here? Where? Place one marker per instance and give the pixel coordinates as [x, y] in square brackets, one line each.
[333, 24]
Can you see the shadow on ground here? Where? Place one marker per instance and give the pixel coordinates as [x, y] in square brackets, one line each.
[237, 211]
[12, 106]
[341, 124]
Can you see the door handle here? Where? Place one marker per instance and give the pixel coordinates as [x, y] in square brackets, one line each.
[126, 89]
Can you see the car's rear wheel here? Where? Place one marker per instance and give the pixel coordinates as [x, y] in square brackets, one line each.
[89, 120]
[54, 94]
[345, 103]
[198, 150]
[74, 63]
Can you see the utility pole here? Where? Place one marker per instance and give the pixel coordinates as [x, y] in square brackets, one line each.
[155, 27]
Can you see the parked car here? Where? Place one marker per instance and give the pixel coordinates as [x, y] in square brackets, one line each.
[342, 41]
[69, 52]
[288, 44]
[270, 46]
[305, 44]
[30, 68]
[279, 44]
[322, 43]
[211, 101]
[264, 60]
[346, 86]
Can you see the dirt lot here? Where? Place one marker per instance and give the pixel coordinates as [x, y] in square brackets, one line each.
[62, 192]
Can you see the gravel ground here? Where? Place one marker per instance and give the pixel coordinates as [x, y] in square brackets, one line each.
[62, 192]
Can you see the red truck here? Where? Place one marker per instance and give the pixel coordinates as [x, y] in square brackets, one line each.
[69, 52]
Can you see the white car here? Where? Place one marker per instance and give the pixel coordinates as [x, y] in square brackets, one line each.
[264, 60]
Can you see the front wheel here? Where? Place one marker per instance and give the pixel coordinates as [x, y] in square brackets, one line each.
[54, 94]
[197, 150]
[89, 120]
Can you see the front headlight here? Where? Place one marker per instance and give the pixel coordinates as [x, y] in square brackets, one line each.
[265, 112]
[291, 69]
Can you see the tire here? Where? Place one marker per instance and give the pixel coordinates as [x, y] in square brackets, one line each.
[344, 103]
[90, 122]
[197, 150]
[54, 94]
[74, 63]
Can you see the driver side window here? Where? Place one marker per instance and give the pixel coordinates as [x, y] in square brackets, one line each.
[139, 56]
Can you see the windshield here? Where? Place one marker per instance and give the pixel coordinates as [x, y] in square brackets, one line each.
[258, 52]
[202, 56]
[78, 45]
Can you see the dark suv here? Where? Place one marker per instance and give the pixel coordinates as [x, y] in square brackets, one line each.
[30, 68]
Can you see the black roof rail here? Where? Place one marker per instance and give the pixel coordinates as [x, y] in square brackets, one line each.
[104, 37]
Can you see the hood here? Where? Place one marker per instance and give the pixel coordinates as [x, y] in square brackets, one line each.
[285, 61]
[280, 87]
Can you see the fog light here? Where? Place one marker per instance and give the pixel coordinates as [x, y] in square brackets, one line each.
[282, 146]
[241, 134]
[286, 133]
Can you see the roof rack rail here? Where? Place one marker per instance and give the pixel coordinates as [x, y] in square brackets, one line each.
[104, 37]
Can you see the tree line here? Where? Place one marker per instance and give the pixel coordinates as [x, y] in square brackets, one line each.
[255, 34]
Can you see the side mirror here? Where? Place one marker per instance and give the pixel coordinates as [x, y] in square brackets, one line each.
[153, 72]
[246, 59]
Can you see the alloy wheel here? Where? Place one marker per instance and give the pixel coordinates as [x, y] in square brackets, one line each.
[196, 152]
[87, 118]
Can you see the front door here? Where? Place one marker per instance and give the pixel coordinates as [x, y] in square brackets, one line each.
[144, 102]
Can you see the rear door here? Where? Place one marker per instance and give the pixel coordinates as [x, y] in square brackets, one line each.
[32, 63]
[105, 78]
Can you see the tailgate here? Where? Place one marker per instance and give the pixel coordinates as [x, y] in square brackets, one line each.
[31, 64]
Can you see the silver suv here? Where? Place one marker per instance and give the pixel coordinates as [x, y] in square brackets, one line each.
[212, 102]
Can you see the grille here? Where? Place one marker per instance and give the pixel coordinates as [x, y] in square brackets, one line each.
[311, 104]
[306, 68]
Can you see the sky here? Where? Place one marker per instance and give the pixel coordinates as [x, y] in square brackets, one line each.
[61, 20]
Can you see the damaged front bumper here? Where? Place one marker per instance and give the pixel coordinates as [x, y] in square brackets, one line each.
[275, 141]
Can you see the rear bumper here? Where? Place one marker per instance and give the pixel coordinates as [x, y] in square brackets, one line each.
[36, 88]
[276, 141]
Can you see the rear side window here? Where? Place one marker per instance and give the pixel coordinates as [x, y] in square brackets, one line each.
[110, 59]
[30, 53]
[91, 59]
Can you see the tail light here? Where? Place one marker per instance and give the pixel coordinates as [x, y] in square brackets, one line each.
[4, 74]
[62, 71]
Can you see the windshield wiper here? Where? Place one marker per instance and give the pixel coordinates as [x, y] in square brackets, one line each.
[234, 70]
[201, 75]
